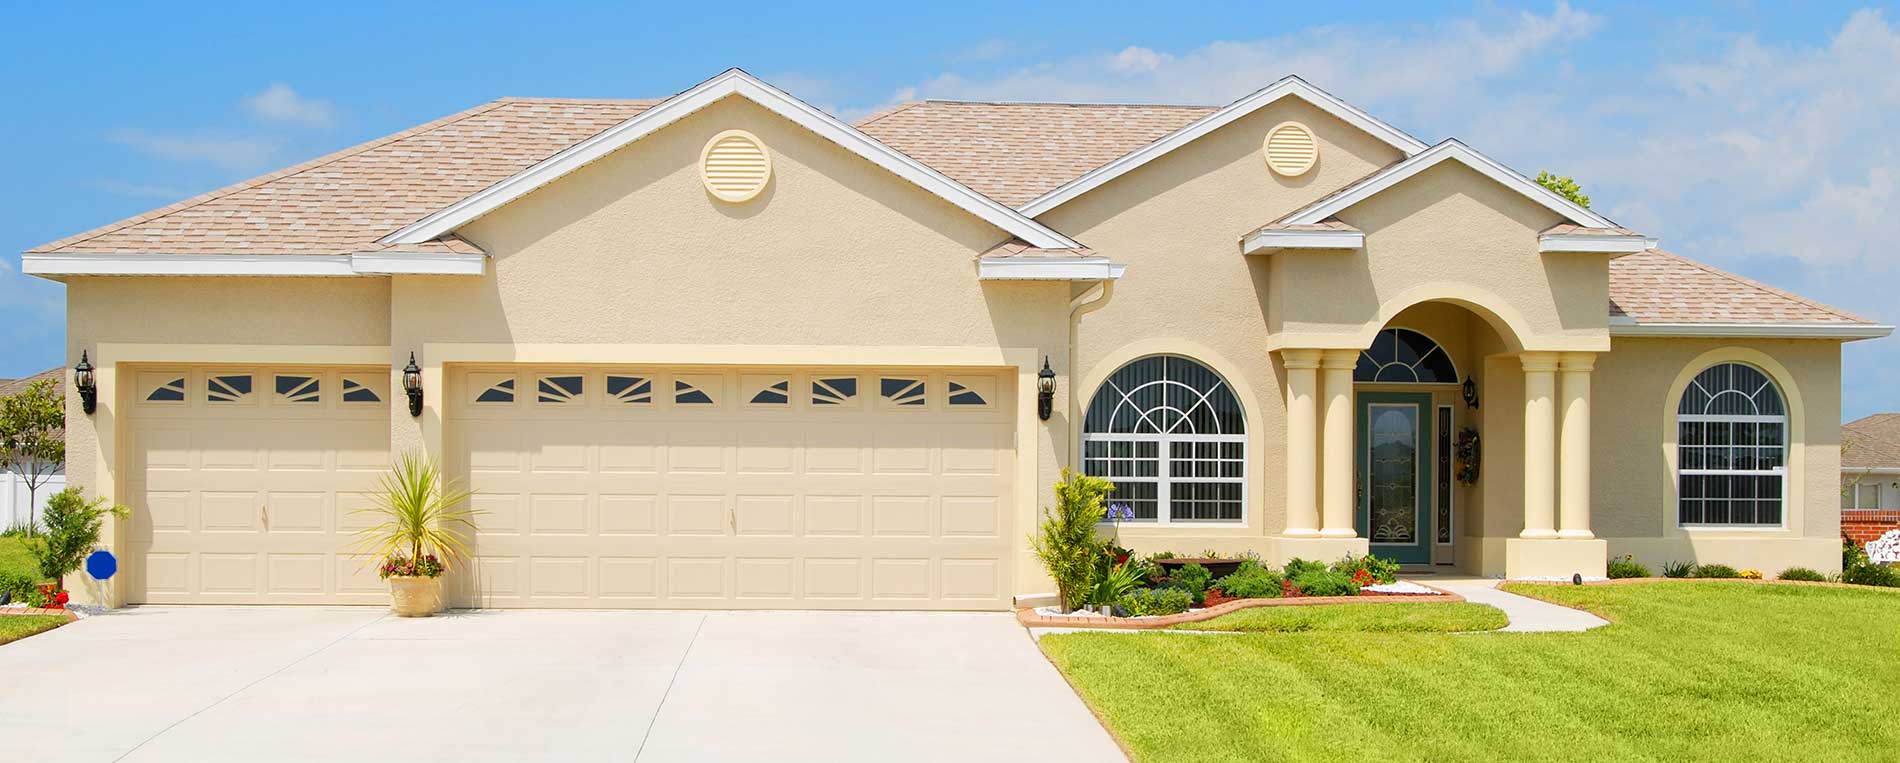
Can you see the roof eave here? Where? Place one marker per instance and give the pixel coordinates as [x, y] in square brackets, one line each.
[1625, 326]
[56, 267]
[1048, 269]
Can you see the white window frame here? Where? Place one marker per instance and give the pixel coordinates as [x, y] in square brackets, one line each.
[1780, 472]
[1164, 475]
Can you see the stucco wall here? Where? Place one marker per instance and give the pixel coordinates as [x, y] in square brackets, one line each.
[1632, 493]
[1177, 222]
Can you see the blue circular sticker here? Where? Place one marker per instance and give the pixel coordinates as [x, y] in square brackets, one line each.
[101, 565]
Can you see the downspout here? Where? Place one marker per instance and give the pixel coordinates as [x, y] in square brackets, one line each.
[1083, 304]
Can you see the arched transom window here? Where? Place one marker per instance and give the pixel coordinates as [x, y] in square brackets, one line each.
[1731, 448]
[1404, 356]
[1171, 435]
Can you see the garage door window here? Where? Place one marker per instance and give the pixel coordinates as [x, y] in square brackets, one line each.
[559, 389]
[770, 391]
[361, 391]
[693, 391]
[901, 392]
[496, 390]
[834, 391]
[630, 390]
[169, 390]
[1171, 435]
[228, 388]
[299, 389]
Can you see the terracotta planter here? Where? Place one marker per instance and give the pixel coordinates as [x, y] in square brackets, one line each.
[414, 596]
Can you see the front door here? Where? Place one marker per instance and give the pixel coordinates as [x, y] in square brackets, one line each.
[1394, 454]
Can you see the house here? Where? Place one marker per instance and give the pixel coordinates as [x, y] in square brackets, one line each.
[20, 506]
[726, 350]
[1870, 476]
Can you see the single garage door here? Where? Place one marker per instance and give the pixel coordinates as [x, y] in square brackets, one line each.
[736, 488]
[242, 482]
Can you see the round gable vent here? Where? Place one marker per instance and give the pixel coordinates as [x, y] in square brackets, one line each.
[1291, 150]
[734, 166]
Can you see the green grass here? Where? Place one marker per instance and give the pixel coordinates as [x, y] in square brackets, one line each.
[1689, 670]
[1362, 618]
[13, 558]
[16, 627]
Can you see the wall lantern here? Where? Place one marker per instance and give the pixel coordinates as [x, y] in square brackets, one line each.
[1045, 390]
[1470, 390]
[412, 384]
[88, 386]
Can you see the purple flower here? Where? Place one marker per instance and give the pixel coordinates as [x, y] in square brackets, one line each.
[1121, 512]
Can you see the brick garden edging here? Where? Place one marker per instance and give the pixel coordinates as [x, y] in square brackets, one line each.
[1030, 619]
[66, 613]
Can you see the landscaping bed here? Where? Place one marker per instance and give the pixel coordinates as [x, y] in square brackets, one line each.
[1046, 617]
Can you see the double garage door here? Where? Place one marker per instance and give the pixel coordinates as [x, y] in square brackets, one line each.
[597, 487]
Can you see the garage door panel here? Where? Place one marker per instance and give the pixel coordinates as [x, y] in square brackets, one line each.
[832, 497]
[246, 497]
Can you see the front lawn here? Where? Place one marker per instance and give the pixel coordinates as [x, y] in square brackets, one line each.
[1689, 670]
[16, 627]
[1362, 618]
[14, 558]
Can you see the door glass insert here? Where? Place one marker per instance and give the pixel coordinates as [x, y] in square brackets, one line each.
[1392, 480]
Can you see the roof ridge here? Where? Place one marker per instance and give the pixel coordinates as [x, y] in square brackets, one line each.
[558, 99]
[1711, 269]
[1119, 104]
[297, 169]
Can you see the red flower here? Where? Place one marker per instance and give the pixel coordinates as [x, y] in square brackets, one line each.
[62, 598]
[1122, 559]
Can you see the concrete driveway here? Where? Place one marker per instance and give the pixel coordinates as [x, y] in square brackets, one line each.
[282, 683]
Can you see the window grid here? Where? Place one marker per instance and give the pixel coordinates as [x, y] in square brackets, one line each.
[1731, 450]
[1168, 432]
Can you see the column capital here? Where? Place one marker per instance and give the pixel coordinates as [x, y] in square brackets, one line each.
[1538, 361]
[1577, 361]
[1336, 359]
[1300, 357]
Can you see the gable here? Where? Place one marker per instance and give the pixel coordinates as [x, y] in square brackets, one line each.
[1454, 152]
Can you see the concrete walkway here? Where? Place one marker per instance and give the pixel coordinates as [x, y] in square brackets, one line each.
[315, 683]
[1527, 615]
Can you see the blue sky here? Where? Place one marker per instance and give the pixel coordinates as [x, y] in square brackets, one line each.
[1753, 136]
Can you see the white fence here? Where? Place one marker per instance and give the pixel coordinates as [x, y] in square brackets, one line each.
[14, 511]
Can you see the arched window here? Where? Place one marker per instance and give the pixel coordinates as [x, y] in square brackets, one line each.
[1170, 434]
[1404, 356]
[1731, 449]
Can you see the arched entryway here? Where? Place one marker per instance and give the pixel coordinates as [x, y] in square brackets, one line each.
[1406, 387]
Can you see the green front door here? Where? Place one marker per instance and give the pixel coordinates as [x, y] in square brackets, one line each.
[1394, 445]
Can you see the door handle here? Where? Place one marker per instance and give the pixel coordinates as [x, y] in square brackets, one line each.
[732, 519]
[265, 511]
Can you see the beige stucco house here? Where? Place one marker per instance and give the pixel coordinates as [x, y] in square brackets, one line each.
[726, 350]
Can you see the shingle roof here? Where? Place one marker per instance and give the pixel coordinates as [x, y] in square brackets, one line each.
[16, 386]
[1658, 287]
[1872, 442]
[1014, 152]
[342, 203]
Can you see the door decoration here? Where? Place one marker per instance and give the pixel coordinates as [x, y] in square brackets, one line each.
[1468, 456]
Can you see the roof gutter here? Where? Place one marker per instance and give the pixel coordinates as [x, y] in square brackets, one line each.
[57, 266]
[1842, 331]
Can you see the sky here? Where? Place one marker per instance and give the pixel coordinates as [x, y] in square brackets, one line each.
[1752, 136]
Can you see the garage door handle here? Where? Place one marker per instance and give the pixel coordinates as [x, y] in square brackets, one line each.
[732, 519]
[265, 510]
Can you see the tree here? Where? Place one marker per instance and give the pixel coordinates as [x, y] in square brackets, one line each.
[1565, 187]
[33, 437]
[72, 531]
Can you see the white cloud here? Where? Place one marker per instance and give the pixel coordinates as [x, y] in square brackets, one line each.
[279, 104]
[229, 151]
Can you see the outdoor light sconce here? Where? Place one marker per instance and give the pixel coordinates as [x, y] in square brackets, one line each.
[1045, 390]
[1470, 390]
[88, 387]
[412, 384]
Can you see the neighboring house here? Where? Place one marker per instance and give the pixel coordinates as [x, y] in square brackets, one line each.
[725, 350]
[15, 510]
[1870, 476]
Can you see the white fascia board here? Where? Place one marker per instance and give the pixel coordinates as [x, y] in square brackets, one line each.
[1038, 269]
[1449, 150]
[731, 82]
[415, 263]
[324, 265]
[1290, 85]
[1270, 240]
[1572, 242]
[1624, 326]
[146, 264]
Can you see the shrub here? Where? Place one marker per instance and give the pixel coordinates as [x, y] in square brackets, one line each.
[1868, 573]
[1066, 543]
[15, 586]
[1156, 601]
[1722, 571]
[1381, 570]
[1251, 580]
[71, 532]
[1325, 582]
[1192, 578]
[1296, 567]
[1114, 584]
[1679, 570]
[1802, 573]
[1627, 567]
[417, 515]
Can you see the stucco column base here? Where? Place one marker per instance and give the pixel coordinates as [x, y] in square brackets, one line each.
[1317, 549]
[1552, 558]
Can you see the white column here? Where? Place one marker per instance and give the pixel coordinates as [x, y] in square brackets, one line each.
[1336, 445]
[1573, 453]
[1302, 442]
[1540, 444]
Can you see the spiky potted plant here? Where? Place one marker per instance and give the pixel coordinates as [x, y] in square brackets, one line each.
[416, 539]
